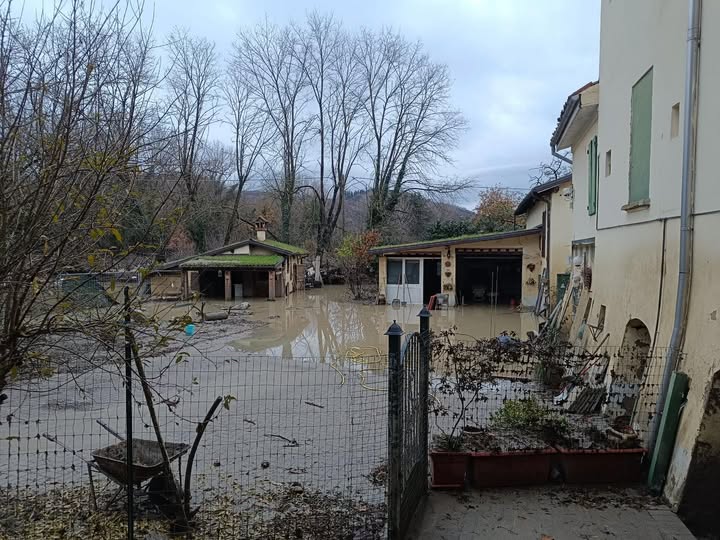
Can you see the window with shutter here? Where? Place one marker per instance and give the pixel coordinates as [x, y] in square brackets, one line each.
[592, 176]
[640, 134]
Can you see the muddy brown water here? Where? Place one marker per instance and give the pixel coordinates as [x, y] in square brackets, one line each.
[322, 323]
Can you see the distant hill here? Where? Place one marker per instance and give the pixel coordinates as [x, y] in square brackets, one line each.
[411, 221]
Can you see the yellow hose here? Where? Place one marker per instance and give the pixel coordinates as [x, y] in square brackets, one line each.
[357, 355]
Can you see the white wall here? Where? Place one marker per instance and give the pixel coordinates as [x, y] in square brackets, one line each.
[636, 36]
[629, 260]
[583, 225]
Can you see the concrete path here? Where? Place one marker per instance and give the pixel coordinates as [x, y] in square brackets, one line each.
[548, 513]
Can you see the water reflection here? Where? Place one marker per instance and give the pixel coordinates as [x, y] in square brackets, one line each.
[323, 323]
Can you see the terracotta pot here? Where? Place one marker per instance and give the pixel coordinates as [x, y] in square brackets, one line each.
[448, 469]
[520, 468]
[612, 465]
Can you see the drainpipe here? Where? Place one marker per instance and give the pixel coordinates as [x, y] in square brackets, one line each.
[682, 302]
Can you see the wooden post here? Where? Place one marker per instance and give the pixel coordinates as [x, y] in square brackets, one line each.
[271, 285]
[228, 285]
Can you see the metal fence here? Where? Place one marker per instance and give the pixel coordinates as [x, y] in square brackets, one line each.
[531, 396]
[408, 374]
[297, 449]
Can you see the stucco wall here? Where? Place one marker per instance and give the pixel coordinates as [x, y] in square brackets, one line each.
[382, 274]
[559, 246]
[561, 221]
[583, 225]
[448, 282]
[629, 259]
[636, 36]
[533, 218]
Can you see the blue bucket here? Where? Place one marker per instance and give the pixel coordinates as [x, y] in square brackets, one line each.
[190, 330]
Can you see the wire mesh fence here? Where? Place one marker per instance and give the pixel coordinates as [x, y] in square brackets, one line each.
[296, 450]
[502, 395]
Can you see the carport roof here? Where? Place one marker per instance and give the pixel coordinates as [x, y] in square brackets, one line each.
[465, 239]
[253, 262]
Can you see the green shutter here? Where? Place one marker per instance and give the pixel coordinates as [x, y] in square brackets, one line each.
[592, 176]
[640, 131]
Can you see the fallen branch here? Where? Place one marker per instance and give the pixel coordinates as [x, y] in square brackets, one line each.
[291, 442]
[315, 405]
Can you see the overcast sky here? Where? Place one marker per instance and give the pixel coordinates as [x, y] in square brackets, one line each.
[513, 62]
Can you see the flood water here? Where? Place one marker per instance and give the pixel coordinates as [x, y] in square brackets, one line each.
[323, 323]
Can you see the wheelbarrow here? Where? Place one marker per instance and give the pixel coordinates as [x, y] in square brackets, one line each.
[147, 465]
[147, 460]
[111, 462]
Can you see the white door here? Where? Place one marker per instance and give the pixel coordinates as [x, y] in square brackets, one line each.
[404, 281]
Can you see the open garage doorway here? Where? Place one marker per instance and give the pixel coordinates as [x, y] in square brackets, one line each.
[212, 283]
[432, 282]
[489, 278]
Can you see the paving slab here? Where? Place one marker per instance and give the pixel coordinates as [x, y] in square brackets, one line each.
[548, 513]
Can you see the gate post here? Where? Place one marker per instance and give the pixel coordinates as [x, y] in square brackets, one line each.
[394, 430]
[425, 359]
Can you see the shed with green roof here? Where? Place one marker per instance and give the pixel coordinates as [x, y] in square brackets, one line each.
[256, 267]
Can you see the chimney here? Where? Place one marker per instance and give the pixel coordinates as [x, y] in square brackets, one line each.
[260, 228]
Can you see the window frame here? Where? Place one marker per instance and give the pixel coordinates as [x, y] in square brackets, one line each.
[593, 173]
[640, 155]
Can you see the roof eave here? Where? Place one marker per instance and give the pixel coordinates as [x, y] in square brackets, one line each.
[578, 125]
[582, 106]
[260, 243]
[171, 265]
[533, 195]
[268, 267]
[450, 241]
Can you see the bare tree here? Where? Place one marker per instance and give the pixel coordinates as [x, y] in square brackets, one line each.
[271, 60]
[250, 134]
[193, 86]
[77, 113]
[332, 71]
[547, 171]
[412, 126]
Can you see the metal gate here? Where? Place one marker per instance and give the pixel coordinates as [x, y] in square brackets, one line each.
[407, 424]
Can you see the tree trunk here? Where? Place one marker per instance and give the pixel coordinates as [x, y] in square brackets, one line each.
[285, 211]
[234, 216]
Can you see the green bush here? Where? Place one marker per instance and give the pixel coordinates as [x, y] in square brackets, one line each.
[529, 415]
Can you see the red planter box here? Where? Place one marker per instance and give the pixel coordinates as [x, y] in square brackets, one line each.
[613, 465]
[448, 469]
[521, 468]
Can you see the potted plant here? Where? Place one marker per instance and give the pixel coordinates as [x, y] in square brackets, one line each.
[448, 461]
[462, 368]
[516, 450]
[596, 456]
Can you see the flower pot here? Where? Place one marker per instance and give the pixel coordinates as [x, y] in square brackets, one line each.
[448, 469]
[517, 468]
[607, 466]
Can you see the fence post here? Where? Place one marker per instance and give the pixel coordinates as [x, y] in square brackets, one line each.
[425, 359]
[394, 487]
[128, 415]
